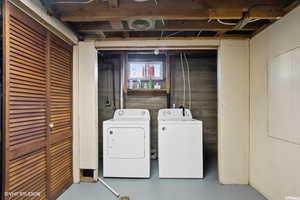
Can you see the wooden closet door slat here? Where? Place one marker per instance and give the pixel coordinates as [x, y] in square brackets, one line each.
[60, 107]
[25, 104]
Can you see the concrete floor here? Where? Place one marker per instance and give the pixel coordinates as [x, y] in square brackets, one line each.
[165, 189]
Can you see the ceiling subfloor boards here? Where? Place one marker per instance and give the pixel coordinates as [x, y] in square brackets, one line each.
[172, 18]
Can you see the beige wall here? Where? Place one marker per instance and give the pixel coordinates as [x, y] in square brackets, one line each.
[76, 170]
[233, 111]
[87, 106]
[274, 163]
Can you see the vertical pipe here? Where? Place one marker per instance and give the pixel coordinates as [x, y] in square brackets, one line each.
[122, 80]
[113, 86]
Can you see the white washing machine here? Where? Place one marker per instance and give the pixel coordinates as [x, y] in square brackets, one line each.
[180, 143]
[126, 144]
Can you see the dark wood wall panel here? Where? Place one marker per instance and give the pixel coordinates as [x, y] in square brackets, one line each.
[38, 93]
[60, 104]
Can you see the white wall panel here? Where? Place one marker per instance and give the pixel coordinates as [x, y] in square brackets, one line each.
[88, 104]
[296, 94]
[284, 87]
[76, 171]
[274, 163]
[233, 126]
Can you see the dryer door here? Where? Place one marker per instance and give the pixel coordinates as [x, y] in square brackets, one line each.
[126, 142]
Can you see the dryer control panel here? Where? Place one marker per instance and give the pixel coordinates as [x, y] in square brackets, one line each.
[174, 114]
[127, 114]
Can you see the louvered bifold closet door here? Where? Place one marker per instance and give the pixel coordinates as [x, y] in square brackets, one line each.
[60, 96]
[25, 105]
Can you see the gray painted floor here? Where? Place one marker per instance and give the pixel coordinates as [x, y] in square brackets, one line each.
[165, 189]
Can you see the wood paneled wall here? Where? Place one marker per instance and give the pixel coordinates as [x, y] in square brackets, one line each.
[38, 107]
[105, 91]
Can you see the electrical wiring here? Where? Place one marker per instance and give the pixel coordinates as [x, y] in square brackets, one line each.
[183, 78]
[199, 33]
[163, 21]
[172, 34]
[188, 80]
[162, 34]
[73, 2]
[254, 20]
[226, 23]
[233, 24]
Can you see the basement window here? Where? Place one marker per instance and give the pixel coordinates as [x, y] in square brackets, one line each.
[146, 73]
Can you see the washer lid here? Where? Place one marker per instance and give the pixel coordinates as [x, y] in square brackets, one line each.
[174, 114]
[132, 114]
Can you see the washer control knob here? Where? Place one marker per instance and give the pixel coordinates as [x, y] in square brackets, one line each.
[164, 128]
[111, 132]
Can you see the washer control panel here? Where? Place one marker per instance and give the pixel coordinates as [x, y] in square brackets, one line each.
[123, 114]
[174, 114]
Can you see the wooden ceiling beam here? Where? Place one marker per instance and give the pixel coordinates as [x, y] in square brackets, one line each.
[101, 34]
[116, 25]
[220, 33]
[93, 15]
[291, 6]
[257, 13]
[113, 3]
[242, 37]
[169, 26]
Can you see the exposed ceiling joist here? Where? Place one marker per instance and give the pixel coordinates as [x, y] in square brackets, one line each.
[178, 18]
[168, 26]
[171, 38]
[101, 34]
[291, 6]
[269, 12]
[220, 33]
[126, 34]
[116, 25]
[113, 3]
[169, 14]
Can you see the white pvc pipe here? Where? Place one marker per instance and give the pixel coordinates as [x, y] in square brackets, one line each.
[73, 2]
[123, 65]
[110, 188]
